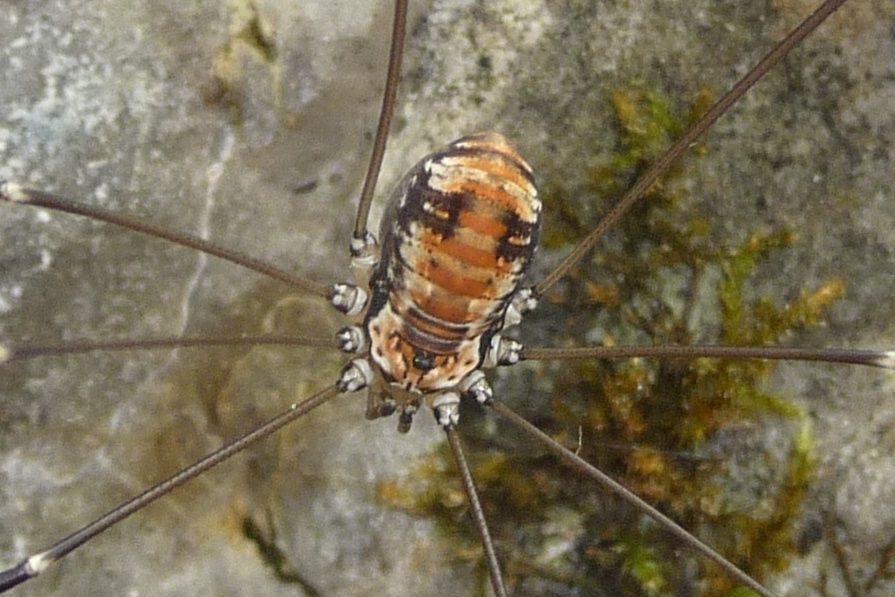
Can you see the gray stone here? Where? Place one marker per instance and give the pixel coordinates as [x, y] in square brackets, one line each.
[250, 123]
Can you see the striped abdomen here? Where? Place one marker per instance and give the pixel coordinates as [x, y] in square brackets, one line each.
[458, 236]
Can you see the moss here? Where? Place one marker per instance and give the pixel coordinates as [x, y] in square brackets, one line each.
[658, 427]
[273, 556]
[254, 36]
[250, 43]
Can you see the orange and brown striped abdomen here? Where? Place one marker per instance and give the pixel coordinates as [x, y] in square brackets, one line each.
[458, 237]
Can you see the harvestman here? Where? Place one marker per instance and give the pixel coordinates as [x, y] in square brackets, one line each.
[351, 300]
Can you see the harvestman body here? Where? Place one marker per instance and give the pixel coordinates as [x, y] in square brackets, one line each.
[457, 239]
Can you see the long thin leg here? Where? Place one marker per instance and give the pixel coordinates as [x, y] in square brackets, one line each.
[21, 352]
[37, 563]
[477, 512]
[870, 358]
[14, 193]
[646, 181]
[574, 461]
[385, 119]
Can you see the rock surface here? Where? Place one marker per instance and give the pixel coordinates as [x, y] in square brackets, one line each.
[249, 123]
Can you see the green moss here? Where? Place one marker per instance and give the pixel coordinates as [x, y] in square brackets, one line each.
[643, 565]
[649, 424]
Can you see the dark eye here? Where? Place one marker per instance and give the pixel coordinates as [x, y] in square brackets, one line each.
[423, 360]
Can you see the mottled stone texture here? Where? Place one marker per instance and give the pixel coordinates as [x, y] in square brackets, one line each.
[249, 123]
